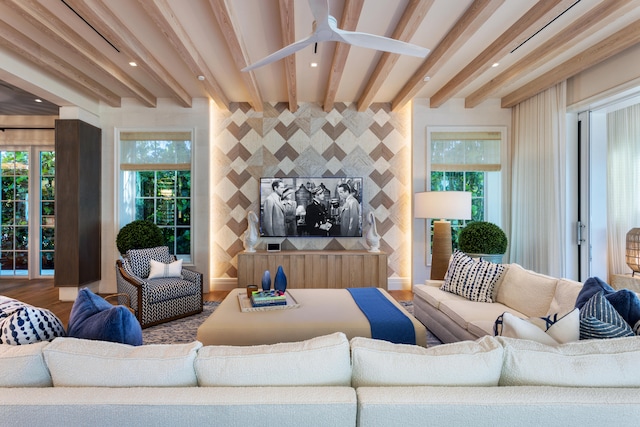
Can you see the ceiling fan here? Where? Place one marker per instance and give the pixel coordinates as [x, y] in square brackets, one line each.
[325, 29]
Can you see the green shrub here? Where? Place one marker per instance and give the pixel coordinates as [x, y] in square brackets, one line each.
[482, 237]
[139, 234]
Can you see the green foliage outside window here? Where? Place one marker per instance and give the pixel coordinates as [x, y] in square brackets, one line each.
[473, 182]
[164, 198]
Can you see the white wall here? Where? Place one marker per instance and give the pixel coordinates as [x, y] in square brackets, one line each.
[452, 113]
[167, 116]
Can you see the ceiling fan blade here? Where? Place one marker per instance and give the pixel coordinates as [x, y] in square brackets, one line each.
[319, 9]
[285, 51]
[373, 41]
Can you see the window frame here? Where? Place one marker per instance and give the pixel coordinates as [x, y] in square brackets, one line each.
[125, 208]
[494, 187]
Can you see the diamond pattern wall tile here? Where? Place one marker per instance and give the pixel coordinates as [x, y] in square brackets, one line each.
[344, 142]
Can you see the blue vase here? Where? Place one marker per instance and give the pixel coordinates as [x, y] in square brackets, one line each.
[280, 282]
[266, 280]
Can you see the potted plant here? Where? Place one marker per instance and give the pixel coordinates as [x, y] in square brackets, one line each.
[485, 240]
[139, 234]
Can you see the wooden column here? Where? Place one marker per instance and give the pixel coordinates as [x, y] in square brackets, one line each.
[78, 199]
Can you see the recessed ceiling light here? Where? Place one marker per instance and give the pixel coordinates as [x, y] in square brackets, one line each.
[495, 64]
[133, 64]
[38, 100]
[426, 79]
[313, 64]
[201, 78]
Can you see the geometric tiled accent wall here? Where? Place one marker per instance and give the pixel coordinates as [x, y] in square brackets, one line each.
[375, 144]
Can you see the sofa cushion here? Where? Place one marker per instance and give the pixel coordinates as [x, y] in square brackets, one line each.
[565, 296]
[320, 361]
[22, 323]
[463, 311]
[23, 366]
[592, 363]
[600, 320]
[464, 363]
[434, 295]
[525, 291]
[77, 362]
[93, 318]
[138, 259]
[472, 279]
[551, 330]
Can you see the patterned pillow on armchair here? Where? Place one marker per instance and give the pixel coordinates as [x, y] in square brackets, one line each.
[139, 259]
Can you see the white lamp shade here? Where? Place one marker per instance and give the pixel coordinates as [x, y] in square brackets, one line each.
[443, 205]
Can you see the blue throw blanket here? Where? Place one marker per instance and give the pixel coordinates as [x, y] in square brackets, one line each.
[387, 321]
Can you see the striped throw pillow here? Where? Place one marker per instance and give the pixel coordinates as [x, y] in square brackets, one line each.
[472, 279]
[600, 320]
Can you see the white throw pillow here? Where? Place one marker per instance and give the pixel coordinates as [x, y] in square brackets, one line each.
[160, 270]
[590, 363]
[464, 363]
[77, 362]
[550, 330]
[321, 361]
[23, 366]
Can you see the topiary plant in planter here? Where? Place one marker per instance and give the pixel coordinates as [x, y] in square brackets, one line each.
[139, 234]
[483, 239]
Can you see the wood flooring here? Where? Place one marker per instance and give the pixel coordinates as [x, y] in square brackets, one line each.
[42, 293]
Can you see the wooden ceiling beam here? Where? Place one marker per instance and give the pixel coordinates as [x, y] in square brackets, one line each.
[288, 30]
[534, 18]
[231, 32]
[591, 21]
[349, 21]
[54, 28]
[165, 19]
[105, 22]
[472, 19]
[56, 66]
[612, 45]
[413, 15]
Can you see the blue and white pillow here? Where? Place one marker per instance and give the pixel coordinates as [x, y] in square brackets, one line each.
[470, 278]
[599, 320]
[21, 323]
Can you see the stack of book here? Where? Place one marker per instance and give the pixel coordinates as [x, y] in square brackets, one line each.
[268, 298]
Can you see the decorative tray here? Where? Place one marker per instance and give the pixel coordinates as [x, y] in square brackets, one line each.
[245, 303]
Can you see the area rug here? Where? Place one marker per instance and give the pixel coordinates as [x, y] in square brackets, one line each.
[185, 330]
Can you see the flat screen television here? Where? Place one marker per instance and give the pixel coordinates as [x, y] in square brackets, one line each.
[311, 207]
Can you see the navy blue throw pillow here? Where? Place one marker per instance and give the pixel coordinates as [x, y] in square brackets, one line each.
[626, 302]
[94, 318]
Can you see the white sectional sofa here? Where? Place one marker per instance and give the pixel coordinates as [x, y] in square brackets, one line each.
[325, 381]
[518, 291]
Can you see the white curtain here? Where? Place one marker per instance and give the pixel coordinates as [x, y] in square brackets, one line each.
[623, 194]
[538, 192]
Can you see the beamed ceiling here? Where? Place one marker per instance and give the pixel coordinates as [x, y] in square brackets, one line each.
[187, 49]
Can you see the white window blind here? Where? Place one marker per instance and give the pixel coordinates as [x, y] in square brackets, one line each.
[465, 151]
[143, 151]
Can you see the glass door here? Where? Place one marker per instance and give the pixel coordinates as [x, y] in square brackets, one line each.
[27, 222]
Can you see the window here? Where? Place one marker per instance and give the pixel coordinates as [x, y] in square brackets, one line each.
[467, 161]
[156, 184]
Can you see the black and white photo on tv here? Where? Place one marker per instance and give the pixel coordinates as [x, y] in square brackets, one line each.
[315, 207]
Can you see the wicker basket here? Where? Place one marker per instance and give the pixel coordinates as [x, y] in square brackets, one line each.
[633, 250]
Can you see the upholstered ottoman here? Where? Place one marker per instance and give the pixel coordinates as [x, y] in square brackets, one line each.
[319, 312]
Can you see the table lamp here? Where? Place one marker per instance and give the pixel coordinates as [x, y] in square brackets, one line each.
[440, 206]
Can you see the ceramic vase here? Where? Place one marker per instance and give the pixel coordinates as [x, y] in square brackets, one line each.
[266, 280]
[280, 281]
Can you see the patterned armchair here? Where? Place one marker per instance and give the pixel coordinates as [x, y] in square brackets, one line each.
[158, 300]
